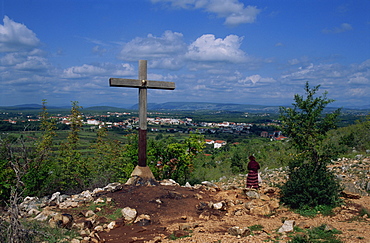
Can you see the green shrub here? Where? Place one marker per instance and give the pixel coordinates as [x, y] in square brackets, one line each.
[310, 187]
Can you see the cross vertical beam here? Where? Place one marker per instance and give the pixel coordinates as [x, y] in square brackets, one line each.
[142, 113]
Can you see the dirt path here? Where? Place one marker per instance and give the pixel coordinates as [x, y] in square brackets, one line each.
[178, 211]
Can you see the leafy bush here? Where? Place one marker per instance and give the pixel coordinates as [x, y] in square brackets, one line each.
[310, 183]
[310, 187]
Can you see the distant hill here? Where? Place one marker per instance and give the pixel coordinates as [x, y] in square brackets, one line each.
[24, 106]
[29, 107]
[174, 106]
[104, 108]
[192, 106]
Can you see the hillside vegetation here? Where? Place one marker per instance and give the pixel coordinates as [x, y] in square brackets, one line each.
[46, 163]
[38, 165]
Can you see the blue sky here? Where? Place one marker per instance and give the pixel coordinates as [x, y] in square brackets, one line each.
[224, 51]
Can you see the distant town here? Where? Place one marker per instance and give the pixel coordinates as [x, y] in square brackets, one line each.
[128, 121]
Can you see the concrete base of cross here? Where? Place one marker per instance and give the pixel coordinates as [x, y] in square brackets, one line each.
[143, 172]
[142, 176]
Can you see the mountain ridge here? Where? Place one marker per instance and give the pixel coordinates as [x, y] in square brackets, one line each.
[179, 106]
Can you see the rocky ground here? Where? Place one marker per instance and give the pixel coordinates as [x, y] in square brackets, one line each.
[211, 212]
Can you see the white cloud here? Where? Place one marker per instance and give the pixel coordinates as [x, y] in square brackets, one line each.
[33, 63]
[301, 73]
[345, 84]
[199, 87]
[359, 92]
[208, 48]
[170, 43]
[122, 70]
[170, 63]
[254, 80]
[99, 70]
[16, 37]
[10, 59]
[359, 78]
[299, 61]
[82, 71]
[168, 77]
[233, 11]
[186, 4]
[342, 28]
[245, 15]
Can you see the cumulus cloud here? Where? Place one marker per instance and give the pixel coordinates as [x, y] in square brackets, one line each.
[10, 59]
[359, 78]
[16, 37]
[170, 43]
[170, 63]
[83, 71]
[342, 28]
[33, 63]
[22, 63]
[233, 11]
[209, 48]
[169, 51]
[104, 69]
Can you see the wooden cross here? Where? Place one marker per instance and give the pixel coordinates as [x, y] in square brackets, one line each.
[143, 84]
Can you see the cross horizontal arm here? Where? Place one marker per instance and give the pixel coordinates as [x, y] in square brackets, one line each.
[136, 83]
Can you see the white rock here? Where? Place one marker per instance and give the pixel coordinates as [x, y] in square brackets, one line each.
[33, 212]
[169, 182]
[252, 194]
[218, 205]
[129, 214]
[97, 190]
[187, 184]
[89, 213]
[68, 204]
[287, 226]
[86, 195]
[56, 197]
[44, 215]
[99, 228]
[29, 199]
[142, 217]
[112, 225]
[158, 201]
[207, 183]
[99, 200]
[112, 186]
[238, 231]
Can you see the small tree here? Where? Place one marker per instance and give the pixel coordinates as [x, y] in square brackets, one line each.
[71, 171]
[310, 183]
[36, 179]
[108, 163]
[176, 158]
